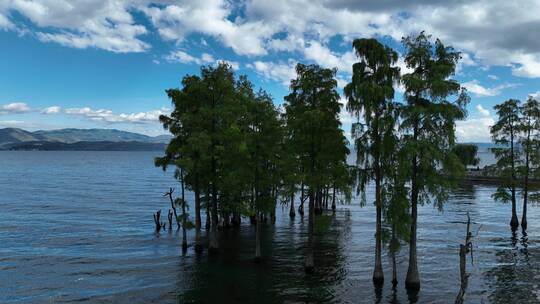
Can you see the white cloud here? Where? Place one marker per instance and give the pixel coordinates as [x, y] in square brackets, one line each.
[109, 116]
[323, 56]
[51, 110]
[281, 72]
[104, 24]
[12, 123]
[475, 129]
[489, 32]
[535, 95]
[14, 108]
[493, 77]
[477, 89]
[183, 57]
[483, 112]
[205, 58]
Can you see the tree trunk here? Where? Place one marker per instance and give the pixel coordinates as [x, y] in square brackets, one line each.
[394, 268]
[291, 211]
[378, 275]
[514, 223]
[334, 198]
[184, 217]
[197, 204]
[412, 281]
[258, 239]
[310, 263]
[171, 190]
[213, 246]
[198, 245]
[302, 199]
[207, 225]
[526, 183]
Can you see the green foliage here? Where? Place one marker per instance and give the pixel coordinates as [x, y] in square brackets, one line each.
[504, 133]
[467, 154]
[313, 129]
[429, 116]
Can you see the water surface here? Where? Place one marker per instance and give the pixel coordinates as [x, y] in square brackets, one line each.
[77, 226]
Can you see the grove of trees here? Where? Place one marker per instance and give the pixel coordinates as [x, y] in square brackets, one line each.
[242, 156]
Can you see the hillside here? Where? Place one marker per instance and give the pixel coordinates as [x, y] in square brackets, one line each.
[80, 139]
[75, 135]
[86, 146]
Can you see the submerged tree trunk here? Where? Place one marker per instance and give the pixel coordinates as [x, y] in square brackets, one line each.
[526, 183]
[197, 204]
[412, 281]
[198, 245]
[310, 263]
[463, 250]
[302, 199]
[393, 251]
[213, 245]
[171, 190]
[258, 238]
[207, 225]
[378, 275]
[334, 198]
[514, 223]
[291, 211]
[184, 216]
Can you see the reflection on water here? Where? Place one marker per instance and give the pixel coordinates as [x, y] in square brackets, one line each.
[77, 226]
[516, 277]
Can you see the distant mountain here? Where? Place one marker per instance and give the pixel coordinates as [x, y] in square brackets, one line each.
[18, 139]
[13, 135]
[75, 135]
[86, 146]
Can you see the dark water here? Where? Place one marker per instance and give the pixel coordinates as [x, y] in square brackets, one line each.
[77, 226]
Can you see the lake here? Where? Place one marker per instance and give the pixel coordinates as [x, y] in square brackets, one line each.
[77, 226]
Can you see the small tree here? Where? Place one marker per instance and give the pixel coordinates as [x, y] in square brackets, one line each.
[504, 133]
[312, 116]
[529, 139]
[467, 154]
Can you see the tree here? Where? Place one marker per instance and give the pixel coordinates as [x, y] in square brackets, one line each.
[467, 154]
[529, 140]
[396, 208]
[428, 123]
[370, 97]
[504, 132]
[189, 145]
[263, 142]
[312, 116]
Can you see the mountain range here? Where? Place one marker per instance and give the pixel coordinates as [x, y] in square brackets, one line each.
[79, 139]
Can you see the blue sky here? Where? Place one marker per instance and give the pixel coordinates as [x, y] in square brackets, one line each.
[107, 63]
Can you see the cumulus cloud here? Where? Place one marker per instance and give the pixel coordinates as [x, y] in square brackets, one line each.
[51, 110]
[183, 57]
[535, 95]
[477, 89]
[483, 112]
[323, 56]
[475, 129]
[489, 32]
[14, 108]
[204, 58]
[109, 116]
[281, 72]
[104, 24]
